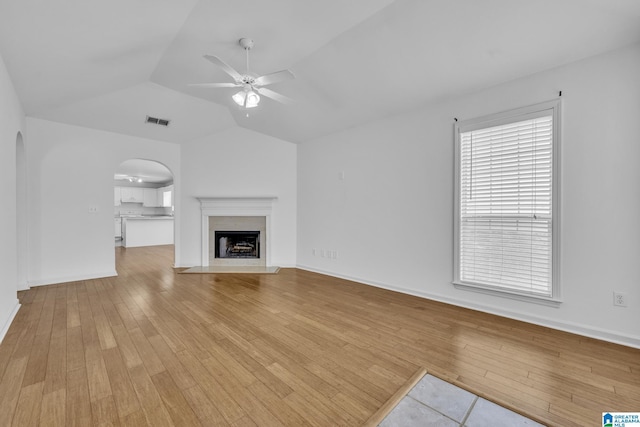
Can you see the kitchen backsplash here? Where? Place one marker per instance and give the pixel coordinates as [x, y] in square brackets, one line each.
[138, 209]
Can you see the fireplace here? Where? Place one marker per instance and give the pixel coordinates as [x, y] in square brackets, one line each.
[237, 214]
[237, 244]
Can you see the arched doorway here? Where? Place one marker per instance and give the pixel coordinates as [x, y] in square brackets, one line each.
[21, 213]
[143, 204]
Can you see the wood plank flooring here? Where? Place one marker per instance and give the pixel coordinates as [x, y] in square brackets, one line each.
[158, 348]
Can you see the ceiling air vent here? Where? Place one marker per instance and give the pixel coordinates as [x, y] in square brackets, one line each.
[157, 121]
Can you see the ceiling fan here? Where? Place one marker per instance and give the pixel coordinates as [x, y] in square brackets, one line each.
[252, 85]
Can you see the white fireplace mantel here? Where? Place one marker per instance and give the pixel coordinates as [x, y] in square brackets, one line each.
[234, 206]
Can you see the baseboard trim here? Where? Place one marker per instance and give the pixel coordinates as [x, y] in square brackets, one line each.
[574, 328]
[7, 323]
[56, 280]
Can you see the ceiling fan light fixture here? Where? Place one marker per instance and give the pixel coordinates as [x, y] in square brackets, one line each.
[253, 99]
[246, 98]
[240, 97]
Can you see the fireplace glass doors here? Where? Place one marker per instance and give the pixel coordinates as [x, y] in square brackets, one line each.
[237, 244]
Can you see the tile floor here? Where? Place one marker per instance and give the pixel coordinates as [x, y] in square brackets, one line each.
[433, 402]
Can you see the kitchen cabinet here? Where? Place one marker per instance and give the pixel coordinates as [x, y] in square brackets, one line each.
[116, 196]
[147, 231]
[131, 195]
[118, 227]
[151, 198]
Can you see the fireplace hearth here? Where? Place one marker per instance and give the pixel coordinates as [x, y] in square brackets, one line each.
[237, 244]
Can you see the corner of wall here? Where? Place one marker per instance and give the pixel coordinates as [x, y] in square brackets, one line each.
[9, 320]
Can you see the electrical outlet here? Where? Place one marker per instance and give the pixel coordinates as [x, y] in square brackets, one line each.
[619, 299]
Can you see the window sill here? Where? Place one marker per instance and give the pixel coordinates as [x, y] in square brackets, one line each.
[536, 299]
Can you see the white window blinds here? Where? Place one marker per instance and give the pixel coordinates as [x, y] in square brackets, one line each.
[505, 205]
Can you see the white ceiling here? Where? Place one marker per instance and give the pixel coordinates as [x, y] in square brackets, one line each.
[149, 171]
[109, 64]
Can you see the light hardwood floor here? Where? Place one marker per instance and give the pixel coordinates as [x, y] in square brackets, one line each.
[154, 347]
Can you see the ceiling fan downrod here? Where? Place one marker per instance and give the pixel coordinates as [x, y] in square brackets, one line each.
[246, 44]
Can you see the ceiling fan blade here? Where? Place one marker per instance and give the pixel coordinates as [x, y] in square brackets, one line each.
[225, 67]
[274, 95]
[276, 77]
[215, 85]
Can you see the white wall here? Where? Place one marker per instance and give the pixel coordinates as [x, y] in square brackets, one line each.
[391, 218]
[11, 123]
[70, 170]
[240, 162]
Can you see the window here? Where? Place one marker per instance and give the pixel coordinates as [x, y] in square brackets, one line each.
[506, 227]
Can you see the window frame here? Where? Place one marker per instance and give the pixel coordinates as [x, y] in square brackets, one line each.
[497, 119]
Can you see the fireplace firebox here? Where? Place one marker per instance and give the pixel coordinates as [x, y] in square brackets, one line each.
[237, 244]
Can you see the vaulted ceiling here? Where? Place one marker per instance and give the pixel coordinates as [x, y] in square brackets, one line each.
[109, 64]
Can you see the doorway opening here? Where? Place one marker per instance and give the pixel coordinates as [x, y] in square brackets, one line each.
[143, 204]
